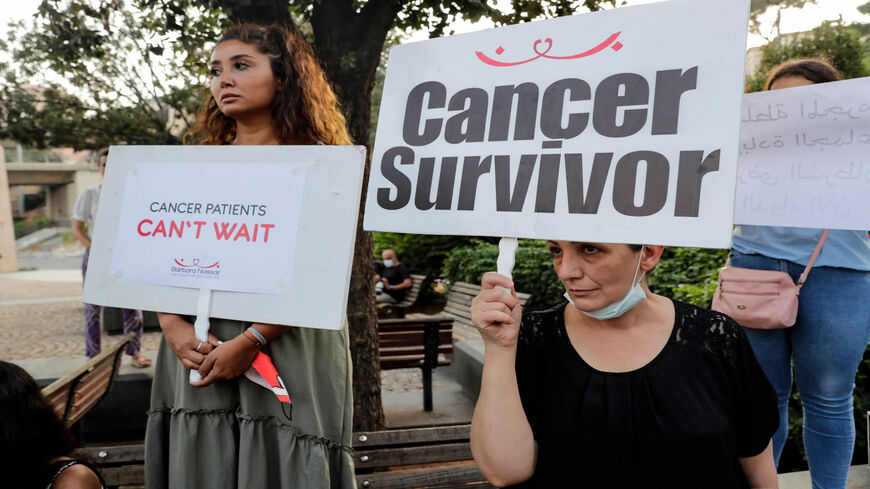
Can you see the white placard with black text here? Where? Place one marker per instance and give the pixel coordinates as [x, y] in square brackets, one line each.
[270, 229]
[614, 126]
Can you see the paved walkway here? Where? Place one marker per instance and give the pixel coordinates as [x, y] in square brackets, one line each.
[42, 316]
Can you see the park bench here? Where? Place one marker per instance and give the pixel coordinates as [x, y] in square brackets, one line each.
[459, 306]
[398, 310]
[416, 458]
[420, 342]
[439, 456]
[75, 394]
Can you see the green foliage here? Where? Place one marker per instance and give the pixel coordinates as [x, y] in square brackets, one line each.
[838, 43]
[688, 274]
[20, 228]
[23, 228]
[87, 74]
[533, 270]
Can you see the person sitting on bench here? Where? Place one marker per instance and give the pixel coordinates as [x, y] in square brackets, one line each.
[396, 279]
[39, 451]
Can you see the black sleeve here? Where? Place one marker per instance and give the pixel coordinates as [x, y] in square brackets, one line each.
[527, 379]
[755, 403]
[403, 272]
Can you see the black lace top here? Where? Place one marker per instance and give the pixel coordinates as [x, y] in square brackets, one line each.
[680, 421]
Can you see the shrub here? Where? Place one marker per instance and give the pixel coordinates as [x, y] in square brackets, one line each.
[688, 274]
[533, 272]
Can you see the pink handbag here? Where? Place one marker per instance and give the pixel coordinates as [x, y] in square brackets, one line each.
[761, 299]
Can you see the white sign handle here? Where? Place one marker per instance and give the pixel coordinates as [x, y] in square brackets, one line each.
[201, 325]
[507, 250]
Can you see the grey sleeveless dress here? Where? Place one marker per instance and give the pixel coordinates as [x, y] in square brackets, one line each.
[234, 434]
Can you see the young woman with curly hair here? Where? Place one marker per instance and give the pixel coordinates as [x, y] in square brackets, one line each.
[225, 431]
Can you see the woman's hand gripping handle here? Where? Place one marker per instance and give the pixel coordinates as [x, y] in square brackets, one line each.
[496, 311]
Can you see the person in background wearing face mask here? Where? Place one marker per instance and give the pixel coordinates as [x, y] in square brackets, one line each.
[395, 277]
[619, 387]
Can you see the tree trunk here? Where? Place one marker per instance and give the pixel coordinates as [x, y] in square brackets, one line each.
[349, 44]
[263, 12]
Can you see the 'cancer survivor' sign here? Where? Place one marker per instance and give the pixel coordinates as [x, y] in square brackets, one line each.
[617, 126]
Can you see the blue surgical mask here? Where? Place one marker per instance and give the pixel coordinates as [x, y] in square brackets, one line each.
[631, 298]
[389, 263]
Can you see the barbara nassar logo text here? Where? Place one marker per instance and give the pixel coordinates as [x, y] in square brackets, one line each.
[195, 268]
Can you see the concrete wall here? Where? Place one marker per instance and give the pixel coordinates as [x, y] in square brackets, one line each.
[8, 261]
[64, 181]
[61, 200]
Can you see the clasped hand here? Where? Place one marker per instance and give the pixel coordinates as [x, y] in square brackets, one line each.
[497, 312]
[214, 360]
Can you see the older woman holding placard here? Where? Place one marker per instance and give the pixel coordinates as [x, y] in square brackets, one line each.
[619, 387]
[224, 431]
[828, 336]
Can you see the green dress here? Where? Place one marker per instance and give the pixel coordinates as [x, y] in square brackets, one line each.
[234, 434]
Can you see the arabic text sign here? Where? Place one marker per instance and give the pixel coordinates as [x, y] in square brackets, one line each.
[616, 126]
[270, 229]
[805, 157]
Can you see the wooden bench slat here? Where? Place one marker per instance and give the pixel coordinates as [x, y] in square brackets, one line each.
[61, 382]
[428, 319]
[461, 313]
[410, 350]
[389, 457]
[83, 402]
[410, 436]
[414, 334]
[74, 394]
[465, 287]
[131, 452]
[126, 475]
[440, 477]
[415, 338]
[392, 363]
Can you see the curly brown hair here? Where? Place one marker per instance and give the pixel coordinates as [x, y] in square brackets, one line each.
[816, 70]
[305, 109]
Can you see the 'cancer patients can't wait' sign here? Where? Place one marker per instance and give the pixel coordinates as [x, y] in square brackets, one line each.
[616, 126]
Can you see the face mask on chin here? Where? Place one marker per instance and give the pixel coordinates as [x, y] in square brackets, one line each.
[631, 298]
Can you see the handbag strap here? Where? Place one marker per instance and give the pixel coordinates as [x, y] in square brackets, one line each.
[803, 277]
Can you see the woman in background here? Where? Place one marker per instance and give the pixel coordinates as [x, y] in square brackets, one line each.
[828, 340]
[39, 452]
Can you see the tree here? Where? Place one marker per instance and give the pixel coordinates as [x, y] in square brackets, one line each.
[758, 7]
[841, 44]
[86, 76]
